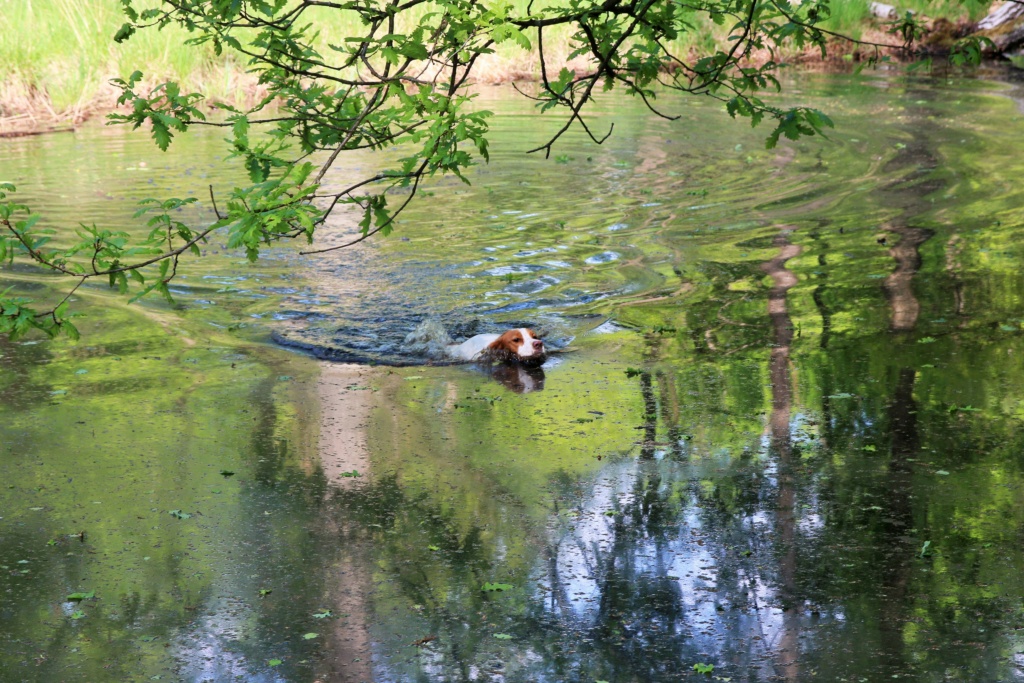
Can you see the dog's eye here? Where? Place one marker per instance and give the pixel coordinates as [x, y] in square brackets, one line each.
[517, 340]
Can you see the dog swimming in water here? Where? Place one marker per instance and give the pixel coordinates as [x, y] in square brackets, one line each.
[519, 345]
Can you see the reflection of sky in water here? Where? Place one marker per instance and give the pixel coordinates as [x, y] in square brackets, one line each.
[534, 286]
[208, 654]
[709, 588]
[515, 269]
[603, 257]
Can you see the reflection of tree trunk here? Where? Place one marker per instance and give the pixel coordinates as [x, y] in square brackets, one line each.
[898, 289]
[670, 414]
[953, 249]
[905, 443]
[778, 423]
[344, 413]
[700, 342]
[559, 594]
[343, 448]
[626, 588]
[818, 295]
[350, 653]
[611, 586]
[819, 301]
[650, 417]
[898, 520]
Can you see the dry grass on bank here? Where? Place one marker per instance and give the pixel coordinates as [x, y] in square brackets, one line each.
[57, 62]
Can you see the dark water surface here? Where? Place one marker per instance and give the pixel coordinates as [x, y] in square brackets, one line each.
[796, 453]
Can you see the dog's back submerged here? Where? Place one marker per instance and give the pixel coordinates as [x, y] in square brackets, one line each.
[471, 349]
[429, 340]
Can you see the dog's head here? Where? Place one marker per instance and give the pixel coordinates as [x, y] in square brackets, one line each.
[518, 346]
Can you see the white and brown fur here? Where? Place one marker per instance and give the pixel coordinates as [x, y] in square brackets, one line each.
[519, 345]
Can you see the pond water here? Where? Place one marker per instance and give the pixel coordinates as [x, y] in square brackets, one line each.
[784, 438]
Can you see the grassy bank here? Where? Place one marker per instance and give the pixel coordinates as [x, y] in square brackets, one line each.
[57, 56]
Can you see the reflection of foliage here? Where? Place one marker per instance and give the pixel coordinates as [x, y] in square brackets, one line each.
[100, 522]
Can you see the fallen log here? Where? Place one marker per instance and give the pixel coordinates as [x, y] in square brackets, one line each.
[27, 132]
[997, 16]
[883, 11]
[1004, 26]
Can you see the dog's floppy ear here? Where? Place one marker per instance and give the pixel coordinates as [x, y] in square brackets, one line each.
[503, 343]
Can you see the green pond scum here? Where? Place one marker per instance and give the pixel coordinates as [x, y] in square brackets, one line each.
[781, 439]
